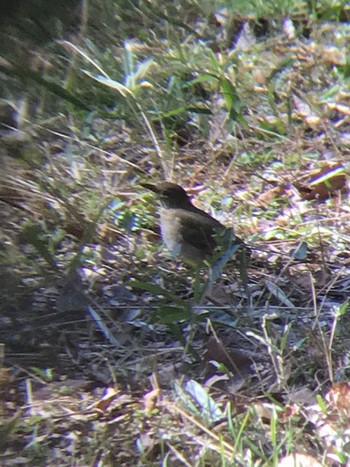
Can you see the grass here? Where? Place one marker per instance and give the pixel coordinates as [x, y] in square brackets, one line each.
[111, 353]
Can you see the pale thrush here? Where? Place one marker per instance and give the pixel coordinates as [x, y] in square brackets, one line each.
[189, 232]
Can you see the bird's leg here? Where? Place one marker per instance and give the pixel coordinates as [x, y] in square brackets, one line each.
[196, 286]
[243, 258]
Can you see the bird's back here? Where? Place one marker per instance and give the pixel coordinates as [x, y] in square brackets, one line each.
[189, 234]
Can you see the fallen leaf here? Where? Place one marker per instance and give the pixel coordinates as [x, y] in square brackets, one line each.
[270, 195]
[298, 460]
[106, 400]
[322, 184]
[150, 400]
[338, 398]
[234, 361]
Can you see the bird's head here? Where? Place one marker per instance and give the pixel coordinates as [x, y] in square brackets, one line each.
[170, 194]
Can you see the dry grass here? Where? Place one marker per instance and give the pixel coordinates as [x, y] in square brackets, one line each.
[92, 303]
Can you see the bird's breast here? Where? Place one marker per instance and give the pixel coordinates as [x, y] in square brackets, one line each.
[184, 235]
[170, 225]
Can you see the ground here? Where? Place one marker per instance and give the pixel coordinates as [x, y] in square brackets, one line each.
[112, 351]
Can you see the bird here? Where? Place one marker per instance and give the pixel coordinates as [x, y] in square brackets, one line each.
[188, 232]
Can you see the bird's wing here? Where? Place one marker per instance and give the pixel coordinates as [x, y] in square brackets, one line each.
[199, 231]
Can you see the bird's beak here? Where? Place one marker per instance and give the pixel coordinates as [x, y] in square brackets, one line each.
[150, 186]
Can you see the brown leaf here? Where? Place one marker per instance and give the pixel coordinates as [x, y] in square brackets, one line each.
[338, 398]
[106, 400]
[272, 194]
[150, 400]
[235, 362]
[323, 183]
